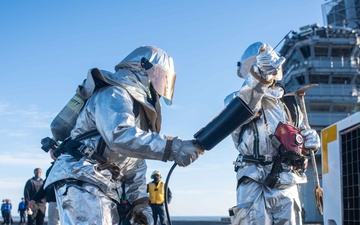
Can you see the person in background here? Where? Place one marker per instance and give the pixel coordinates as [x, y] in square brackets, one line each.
[126, 119]
[32, 186]
[9, 211]
[272, 144]
[6, 208]
[22, 210]
[49, 194]
[156, 190]
[2, 211]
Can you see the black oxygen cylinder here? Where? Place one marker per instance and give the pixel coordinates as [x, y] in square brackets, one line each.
[64, 122]
[230, 118]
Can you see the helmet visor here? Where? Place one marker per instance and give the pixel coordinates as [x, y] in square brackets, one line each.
[163, 82]
[245, 65]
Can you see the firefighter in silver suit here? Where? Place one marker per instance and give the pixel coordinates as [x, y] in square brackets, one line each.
[127, 116]
[257, 203]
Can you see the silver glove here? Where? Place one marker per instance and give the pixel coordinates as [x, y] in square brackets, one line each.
[311, 140]
[142, 214]
[268, 62]
[184, 152]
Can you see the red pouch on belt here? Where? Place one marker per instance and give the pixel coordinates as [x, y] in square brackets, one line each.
[290, 137]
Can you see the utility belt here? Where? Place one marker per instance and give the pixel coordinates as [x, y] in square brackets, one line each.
[77, 149]
[243, 160]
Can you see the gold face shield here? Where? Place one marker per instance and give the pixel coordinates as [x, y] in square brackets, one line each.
[162, 80]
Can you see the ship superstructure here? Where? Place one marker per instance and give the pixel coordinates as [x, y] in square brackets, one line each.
[330, 57]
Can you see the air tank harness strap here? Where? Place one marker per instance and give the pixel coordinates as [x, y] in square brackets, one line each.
[78, 150]
[256, 159]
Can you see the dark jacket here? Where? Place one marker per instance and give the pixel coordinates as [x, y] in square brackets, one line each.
[22, 206]
[32, 186]
[48, 193]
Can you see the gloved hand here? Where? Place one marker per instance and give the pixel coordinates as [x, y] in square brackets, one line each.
[311, 141]
[142, 214]
[268, 62]
[184, 152]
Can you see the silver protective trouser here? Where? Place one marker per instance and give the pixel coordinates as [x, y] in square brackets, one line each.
[93, 208]
[53, 214]
[256, 203]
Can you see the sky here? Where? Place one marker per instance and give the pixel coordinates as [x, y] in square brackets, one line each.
[47, 48]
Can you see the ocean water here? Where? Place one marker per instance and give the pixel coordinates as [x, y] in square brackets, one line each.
[197, 218]
[176, 218]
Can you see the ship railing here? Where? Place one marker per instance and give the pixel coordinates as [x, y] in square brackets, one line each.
[332, 62]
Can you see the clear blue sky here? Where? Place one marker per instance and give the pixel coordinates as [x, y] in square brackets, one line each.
[47, 47]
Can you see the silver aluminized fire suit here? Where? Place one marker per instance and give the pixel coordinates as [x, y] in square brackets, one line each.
[257, 203]
[127, 116]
